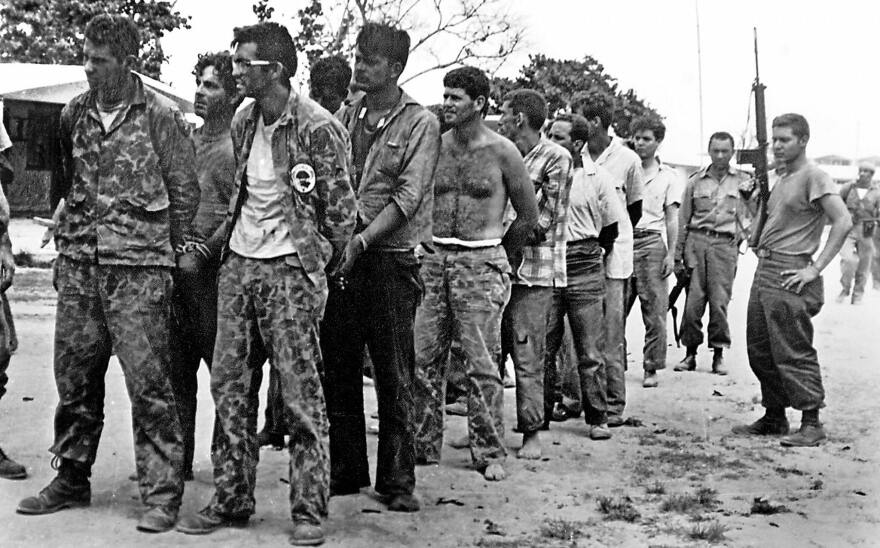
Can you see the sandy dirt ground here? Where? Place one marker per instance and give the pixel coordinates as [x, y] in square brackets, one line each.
[677, 477]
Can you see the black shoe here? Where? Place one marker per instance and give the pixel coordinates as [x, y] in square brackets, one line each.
[10, 469]
[157, 520]
[58, 495]
[267, 438]
[718, 365]
[208, 521]
[688, 363]
[762, 427]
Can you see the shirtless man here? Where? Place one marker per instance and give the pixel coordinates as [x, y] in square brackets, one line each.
[467, 282]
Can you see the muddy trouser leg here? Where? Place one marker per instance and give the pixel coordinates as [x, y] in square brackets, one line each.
[586, 296]
[866, 250]
[524, 325]
[479, 290]
[7, 334]
[433, 336]
[342, 348]
[137, 305]
[697, 295]
[392, 291]
[649, 255]
[849, 261]
[779, 338]
[721, 258]
[614, 352]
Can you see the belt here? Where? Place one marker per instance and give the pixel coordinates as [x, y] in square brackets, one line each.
[764, 253]
[713, 234]
[642, 233]
[583, 241]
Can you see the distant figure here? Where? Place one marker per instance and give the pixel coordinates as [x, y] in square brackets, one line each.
[328, 82]
[715, 213]
[787, 290]
[863, 202]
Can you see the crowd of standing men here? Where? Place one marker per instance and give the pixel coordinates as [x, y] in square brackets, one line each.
[278, 232]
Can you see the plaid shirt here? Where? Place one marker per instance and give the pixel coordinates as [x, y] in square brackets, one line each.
[549, 167]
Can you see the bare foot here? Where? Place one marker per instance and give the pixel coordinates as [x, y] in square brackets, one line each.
[459, 443]
[494, 472]
[531, 447]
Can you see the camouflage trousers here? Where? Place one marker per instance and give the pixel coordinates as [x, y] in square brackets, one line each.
[102, 310]
[8, 341]
[269, 309]
[465, 293]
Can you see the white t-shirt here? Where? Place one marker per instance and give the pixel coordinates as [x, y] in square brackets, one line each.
[261, 231]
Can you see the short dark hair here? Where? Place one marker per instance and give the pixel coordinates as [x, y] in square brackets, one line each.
[383, 39]
[273, 43]
[722, 136]
[222, 63]
[649, 123]
[118, 32]
[332, 72]
[529, 102]
[580, 129]
[798, 124]
[594, 104]
[472, 80]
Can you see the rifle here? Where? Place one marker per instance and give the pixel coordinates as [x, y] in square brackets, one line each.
[757, 157]
[681, 284]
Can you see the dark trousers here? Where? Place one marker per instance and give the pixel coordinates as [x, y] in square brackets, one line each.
[523, 335]
[779, 337]
[194, 311]
[8, 341]
[712, 261]
[377, 308]
[582, 301]
[649, 285]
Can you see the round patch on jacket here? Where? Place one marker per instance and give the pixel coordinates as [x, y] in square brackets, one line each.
[302, 177]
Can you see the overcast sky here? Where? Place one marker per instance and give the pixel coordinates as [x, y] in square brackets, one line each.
[815, 59]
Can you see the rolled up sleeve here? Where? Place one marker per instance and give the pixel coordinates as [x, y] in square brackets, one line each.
[417, 173]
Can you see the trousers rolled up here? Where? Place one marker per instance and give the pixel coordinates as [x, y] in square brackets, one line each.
[523, 336]
[779, 336]
[268, 308]
[712, 262]
[581, 301]
[648, 284]
[376, 308]
[122, 310]
[856, 257]
[465, 293]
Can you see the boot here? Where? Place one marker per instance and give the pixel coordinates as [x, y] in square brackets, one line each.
[69, 489]
[718, 363]
[689, 362]
[10, 469]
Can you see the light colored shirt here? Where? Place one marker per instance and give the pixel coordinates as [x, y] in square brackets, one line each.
[710, 204]
[795, 218]
[262, 232]
[663, 188]
[593, 204]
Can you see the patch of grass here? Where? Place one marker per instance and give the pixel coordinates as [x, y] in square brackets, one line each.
[684, 503]
[561, 529]
[656, 488]
[618, 508]
[643, 469]
[710, 531]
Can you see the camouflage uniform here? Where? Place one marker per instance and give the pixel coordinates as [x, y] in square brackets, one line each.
[272, 308]
[131, 196]
[465, 293]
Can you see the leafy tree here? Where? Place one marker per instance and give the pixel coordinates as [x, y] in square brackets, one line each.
[50, 31]
[477, 32]
[567, 81]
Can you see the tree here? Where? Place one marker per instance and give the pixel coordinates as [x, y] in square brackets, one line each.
[447, 33]
[565, 81]
[50, 31]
